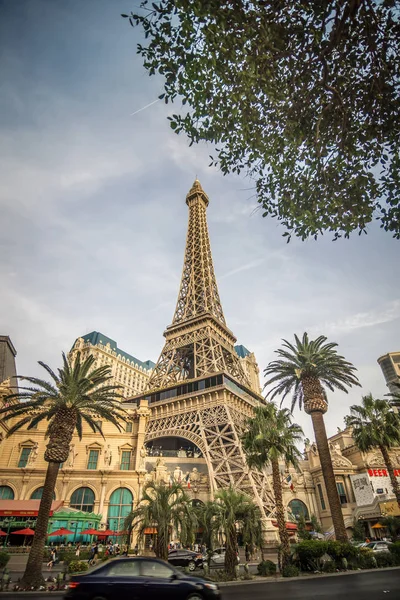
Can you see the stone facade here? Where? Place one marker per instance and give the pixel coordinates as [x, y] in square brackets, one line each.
[127, 371]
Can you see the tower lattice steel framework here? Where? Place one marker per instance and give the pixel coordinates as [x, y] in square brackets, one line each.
[199, 344]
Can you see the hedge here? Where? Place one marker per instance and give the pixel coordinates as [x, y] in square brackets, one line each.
[266, 568]
[77, 566]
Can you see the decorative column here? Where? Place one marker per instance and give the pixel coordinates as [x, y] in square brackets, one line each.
[143, 414]
[102, 495]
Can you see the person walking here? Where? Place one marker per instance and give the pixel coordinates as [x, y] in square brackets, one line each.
[247, 553]
[52, 560]
[77, 549]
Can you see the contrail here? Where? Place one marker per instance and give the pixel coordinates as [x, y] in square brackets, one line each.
[147, 106]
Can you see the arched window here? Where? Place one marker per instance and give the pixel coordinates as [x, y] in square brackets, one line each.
[82, 499]
[299, 509]
[6, 493]
[120, 506]
[38, 493]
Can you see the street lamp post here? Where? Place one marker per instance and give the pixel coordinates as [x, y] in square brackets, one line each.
[76, 529]
[8, 522]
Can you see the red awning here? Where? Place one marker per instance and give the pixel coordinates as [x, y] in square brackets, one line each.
[289, 526]
[61, 531]
[107, 532]
[150, 530]
[24, 508]
[26, 531]
[91, 532]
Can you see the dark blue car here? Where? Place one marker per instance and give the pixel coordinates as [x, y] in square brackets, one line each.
[139, 578]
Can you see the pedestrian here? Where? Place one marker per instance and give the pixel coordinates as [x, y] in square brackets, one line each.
[247, 552]
[52, 559]
[91, 555]
[77, 549]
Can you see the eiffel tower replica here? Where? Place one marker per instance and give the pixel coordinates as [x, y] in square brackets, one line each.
[198, 389]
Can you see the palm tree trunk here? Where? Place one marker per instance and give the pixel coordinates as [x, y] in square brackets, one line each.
[389, 467]
[33, 571]
[280, 513]
[161, 547]
[230, 553]
[329, 476]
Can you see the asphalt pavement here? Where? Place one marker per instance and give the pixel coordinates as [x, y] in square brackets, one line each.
[378, 585]
[374, 585]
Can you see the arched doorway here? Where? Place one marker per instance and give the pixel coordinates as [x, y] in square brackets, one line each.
[120, 505]
[299, 509]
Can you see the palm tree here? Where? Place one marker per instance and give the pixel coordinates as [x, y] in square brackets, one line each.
[395, 396]
[206, 518]
[164, 508]
[235, 510]
[303, 369]
[78, 394]
[272, 437]
[392, 524]
[376, 425]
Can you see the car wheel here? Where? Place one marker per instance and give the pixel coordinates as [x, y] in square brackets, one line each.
[195, 596]
[191, 566]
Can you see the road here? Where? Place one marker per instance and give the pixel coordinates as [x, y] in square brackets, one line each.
[382, 585]
[379, 585]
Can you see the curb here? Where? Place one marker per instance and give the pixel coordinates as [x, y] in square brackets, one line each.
[266, 580]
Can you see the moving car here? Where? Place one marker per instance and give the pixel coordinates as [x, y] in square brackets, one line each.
[378, 546]
[185, 558]
[218, 557]
[139, 578]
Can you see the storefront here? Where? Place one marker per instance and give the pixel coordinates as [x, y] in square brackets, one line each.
[18, 515]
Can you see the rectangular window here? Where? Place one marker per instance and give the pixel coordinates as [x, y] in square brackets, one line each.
[128, 427]
[321, 496]
[93, 460]
[341, 492]
[24, 457]
[125, 460]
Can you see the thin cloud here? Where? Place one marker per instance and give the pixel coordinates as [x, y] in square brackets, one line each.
[383, 314]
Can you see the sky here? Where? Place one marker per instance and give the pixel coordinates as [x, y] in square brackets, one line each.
[93, 216]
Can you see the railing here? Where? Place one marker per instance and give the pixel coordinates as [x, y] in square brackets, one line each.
[154, 452]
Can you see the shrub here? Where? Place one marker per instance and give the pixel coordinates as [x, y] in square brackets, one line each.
[329, 566]
[302, 531]
[77, 566]
[68, 556]
[338, 550]
[4, 558]
[309, 554]
[266, 568]
[384, 559]
[220, 575]
[364, 560]
[290, 571]
[395, 552]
